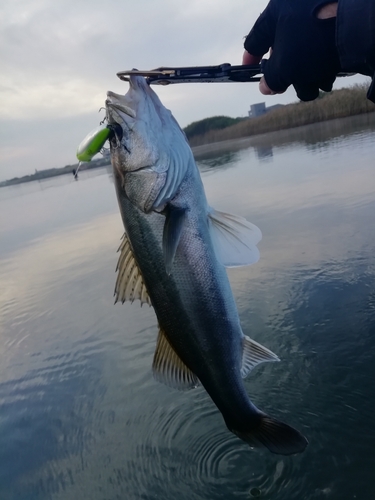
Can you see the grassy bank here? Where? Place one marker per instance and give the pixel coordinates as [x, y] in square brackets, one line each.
[337, 104]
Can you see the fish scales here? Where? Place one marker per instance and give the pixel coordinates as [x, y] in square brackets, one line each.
[192, 295]
[181, 247]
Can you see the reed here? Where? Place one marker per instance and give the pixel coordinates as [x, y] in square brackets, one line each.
[337, 104]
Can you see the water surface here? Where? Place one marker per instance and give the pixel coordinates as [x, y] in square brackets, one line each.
[80, 414]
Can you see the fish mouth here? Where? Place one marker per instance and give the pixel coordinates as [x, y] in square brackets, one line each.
[118, 111]
[118, 106]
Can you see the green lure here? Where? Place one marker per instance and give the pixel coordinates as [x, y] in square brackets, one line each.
[92, 143]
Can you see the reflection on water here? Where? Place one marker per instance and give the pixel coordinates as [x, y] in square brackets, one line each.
[81, 416]
[264, 153]
[223, 160]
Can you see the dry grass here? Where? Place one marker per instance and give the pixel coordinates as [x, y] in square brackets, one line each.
[338, 104]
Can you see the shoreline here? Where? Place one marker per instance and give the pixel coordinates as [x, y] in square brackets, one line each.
[283, 136]
[273, 138]
[343, 103]
[55, 172]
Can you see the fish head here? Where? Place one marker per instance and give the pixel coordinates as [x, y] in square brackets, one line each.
[149, 151]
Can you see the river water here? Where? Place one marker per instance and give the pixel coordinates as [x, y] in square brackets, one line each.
[80, 414]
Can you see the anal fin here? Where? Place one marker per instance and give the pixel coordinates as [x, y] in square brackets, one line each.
[169, 369]
[254, 354]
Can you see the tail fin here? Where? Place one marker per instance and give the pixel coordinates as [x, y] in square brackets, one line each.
[278, 437]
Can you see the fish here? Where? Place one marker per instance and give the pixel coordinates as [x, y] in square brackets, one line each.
[174, 256]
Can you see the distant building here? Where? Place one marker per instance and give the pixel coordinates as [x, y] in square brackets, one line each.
[260, 109]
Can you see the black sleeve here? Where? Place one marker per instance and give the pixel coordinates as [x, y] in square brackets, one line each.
[355, 36]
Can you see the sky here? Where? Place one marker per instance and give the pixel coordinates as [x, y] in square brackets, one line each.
[58, 58]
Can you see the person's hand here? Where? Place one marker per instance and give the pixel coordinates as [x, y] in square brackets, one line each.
[263, 87]
[301, 36]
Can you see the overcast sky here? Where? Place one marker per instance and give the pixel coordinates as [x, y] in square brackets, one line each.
[59, 58]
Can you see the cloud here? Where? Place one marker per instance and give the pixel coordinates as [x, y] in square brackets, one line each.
[59, 58]
[54, 50]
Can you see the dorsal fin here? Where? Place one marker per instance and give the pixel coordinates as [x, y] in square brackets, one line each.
[129, 282]
[254, 354]
[235, 239]
[169, 369]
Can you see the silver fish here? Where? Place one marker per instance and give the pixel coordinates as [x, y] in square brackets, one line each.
[173, 256]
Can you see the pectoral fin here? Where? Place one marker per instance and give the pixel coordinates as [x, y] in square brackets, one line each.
[254, 354]
[129, 283]
[174, 224]
[169, 369]
[235, 239]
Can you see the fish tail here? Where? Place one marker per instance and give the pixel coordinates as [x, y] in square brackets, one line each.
[278, 437]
